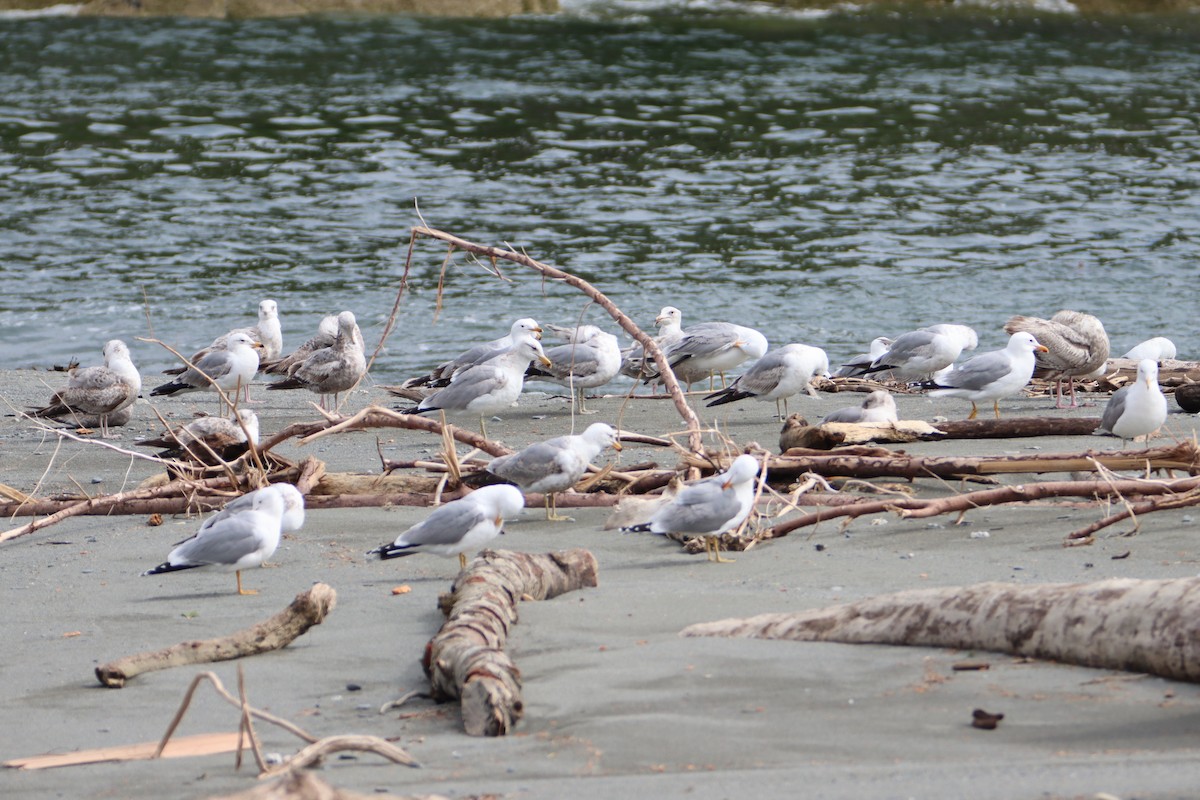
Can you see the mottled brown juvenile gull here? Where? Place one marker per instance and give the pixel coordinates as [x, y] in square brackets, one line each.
[208, 440]
[778, 375]
[229, 369]
[555, 465]
[1076, 345]
[98, 391]
[489, 387]
[878, 407]
[459, 526]
[1138, 409]
[591, 358]
[992, 375]
[708, 507]
[330, 370]
[327, 331]
[234, 543]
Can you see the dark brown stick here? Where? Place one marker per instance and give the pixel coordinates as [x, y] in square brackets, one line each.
[466, 658]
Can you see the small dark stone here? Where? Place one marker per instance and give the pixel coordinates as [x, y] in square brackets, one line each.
[353, 687]
[985, 720]
[820, 548]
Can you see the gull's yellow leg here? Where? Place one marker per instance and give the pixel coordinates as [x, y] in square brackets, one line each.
[239, 582]
[974, 410]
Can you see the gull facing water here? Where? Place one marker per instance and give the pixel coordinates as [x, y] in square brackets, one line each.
[591, 358]
[330, 370]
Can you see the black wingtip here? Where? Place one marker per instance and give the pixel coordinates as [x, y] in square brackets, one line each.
[289, 383]
[392, 550]
[642, 528]
[167, 566]
[727, 397]
[166, 389]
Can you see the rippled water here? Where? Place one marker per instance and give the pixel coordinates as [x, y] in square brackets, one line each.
[827, 179]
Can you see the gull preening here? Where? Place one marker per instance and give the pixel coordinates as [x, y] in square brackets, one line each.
[591, 358]
[489, 387]
[710, 347]
[459, 526]
[1138, 409]
[708, 507]
[234, 542]
[555, 465]
[443, 373]
[100, 391]
[1160, 348]
[918, 354]
[1076, 345]
[778, 375]
[229, 369]
[856, 366]
[330, 370]
[879, 406]
[992, 375]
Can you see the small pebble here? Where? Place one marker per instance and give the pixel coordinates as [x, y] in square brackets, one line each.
[980, 534]
[97, 480]
[353, 687]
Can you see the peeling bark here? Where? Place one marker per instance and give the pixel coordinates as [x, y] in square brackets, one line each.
[466, 658]
[308, 609]
[1126, 624]
[797, 432]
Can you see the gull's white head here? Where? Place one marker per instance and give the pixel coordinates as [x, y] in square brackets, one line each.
[1022, 341]
[525, 325]
[503, 499]
[268, 309]
[1148, 372]
[602, 435]
[669, 315]
[743, 469]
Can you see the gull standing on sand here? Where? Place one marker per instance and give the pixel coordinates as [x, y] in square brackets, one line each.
[712, 347]
[918, 354]
[489, 387]
[855, 366]
[1138, 409]
[330, 370]
[459, 526]
[591, 358]
[268, 331]
[708, 507]
[293, 507]
[100, 391]
[228, 369]
[236, 542]
[634, 362]
[442, 374]
[555, 465]
[778, 375]
[1076, 345]
[1160, 348]
[878, 407]
[992, 375]
[208, 440]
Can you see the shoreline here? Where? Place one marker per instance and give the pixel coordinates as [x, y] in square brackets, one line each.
[615, 700]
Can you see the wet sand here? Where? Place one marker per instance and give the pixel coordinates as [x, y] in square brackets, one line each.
[616, 703]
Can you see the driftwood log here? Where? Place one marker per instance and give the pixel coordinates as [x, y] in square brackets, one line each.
[797, 432]
[466, 658]
[1136, 625]
[308, 609]
[302, 785]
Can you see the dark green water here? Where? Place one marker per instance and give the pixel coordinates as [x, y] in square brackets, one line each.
[826, 180]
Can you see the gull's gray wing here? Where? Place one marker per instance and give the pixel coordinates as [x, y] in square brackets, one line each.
[765, 374]
[1113, 410]
[224, 542]
[467, 386]
[215, 365]
[700, 508]
[910, 346]
[705, 339]
[447, 525]
[980, 371]
[537, 463]
[847, 414]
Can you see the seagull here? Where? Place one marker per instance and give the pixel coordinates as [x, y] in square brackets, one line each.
[1138, 409]
[856, 366]
[708, 507]
[101, 391]
[555, 465]
[963, 334]
[330, 370]
[1076, 345]
[461, 525]
[634, 363]
[293, 507]
[711, 347]
[209, 440]
[992, 375]
[1160, 348]
[591, 358]
[268, 331]
[442, 374]
[236, 542]
[227, 369]
[778, 375]
[918, 354]
[878, 407]
[489, 387]
[327, 331]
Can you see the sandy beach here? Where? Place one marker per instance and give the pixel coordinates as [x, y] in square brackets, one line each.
[616, 703]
